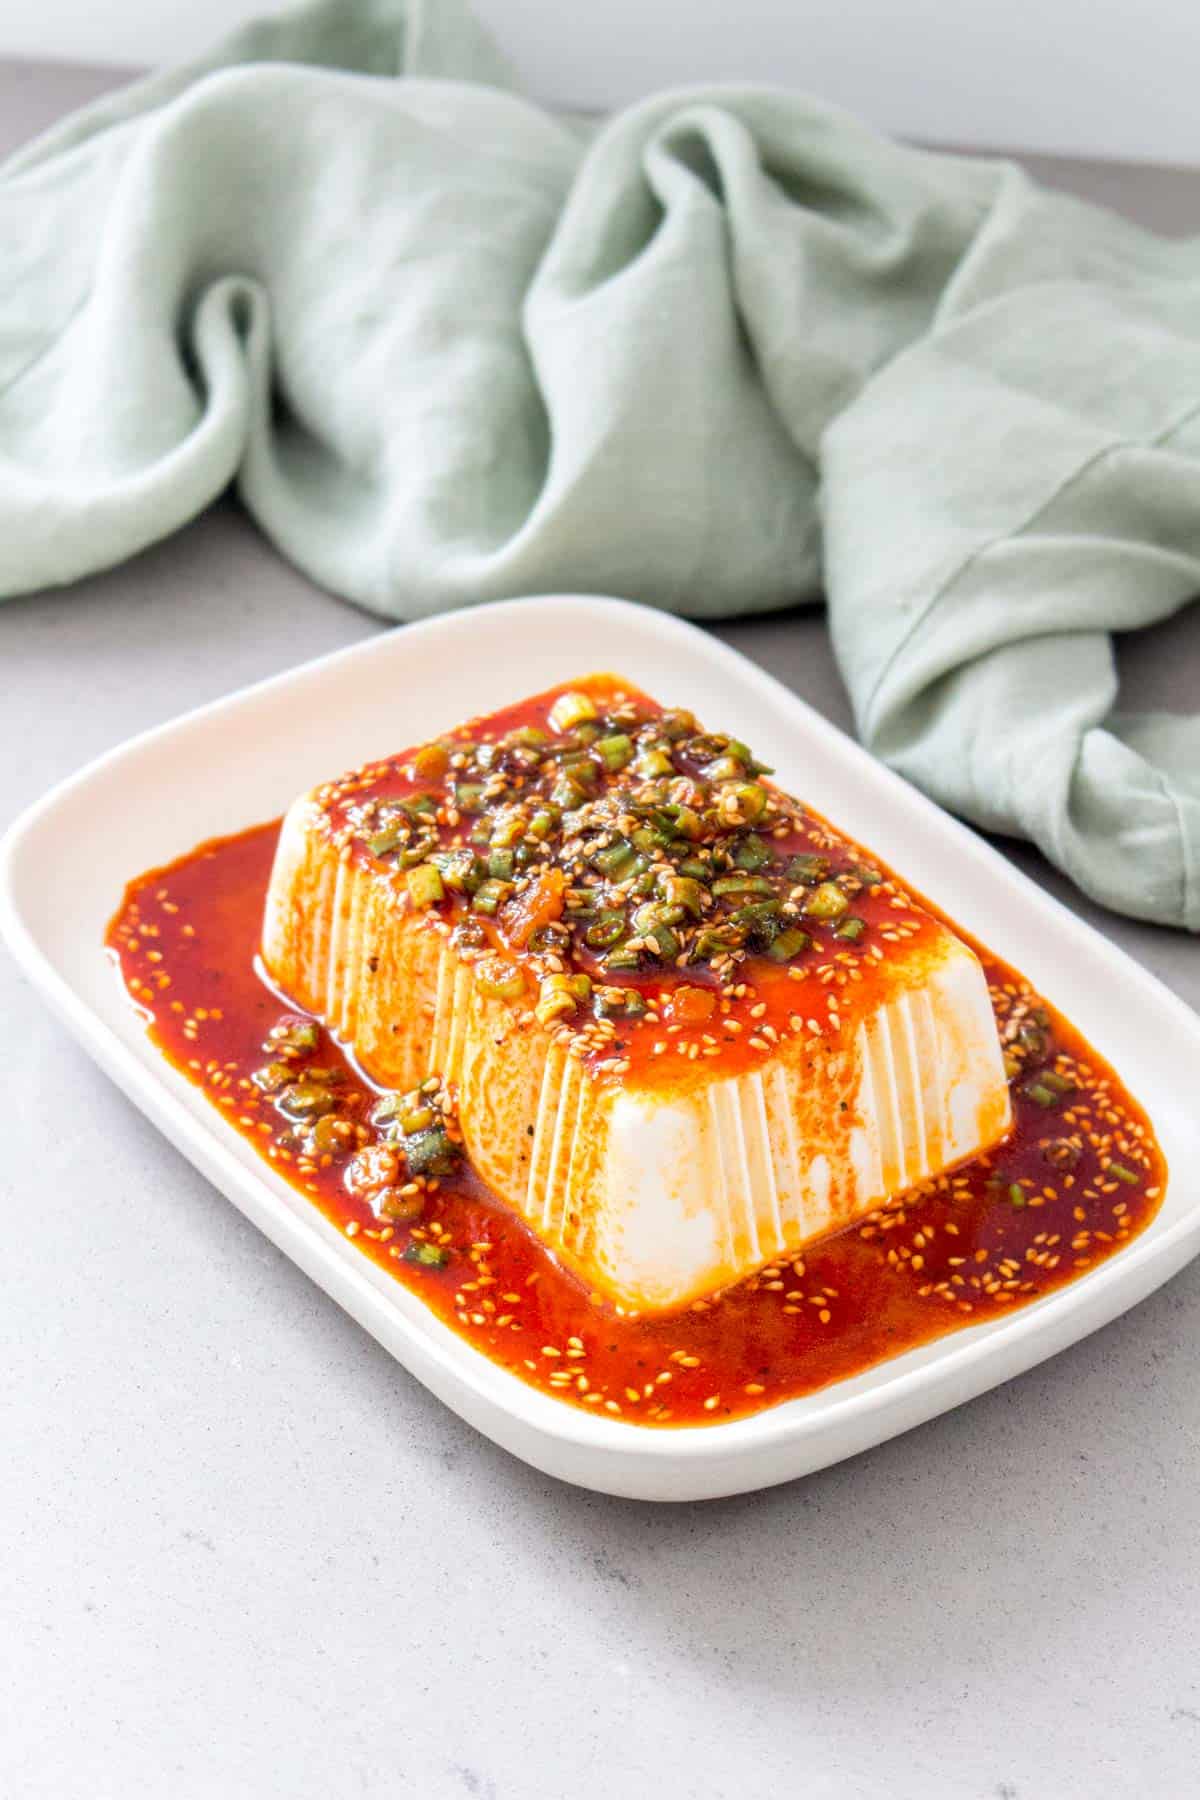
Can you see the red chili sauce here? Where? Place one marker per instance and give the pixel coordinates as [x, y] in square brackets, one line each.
[1078, 1177]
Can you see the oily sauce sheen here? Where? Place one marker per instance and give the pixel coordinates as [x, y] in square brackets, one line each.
[1079, 1176]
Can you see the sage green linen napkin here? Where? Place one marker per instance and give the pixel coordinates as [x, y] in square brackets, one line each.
[724, 351]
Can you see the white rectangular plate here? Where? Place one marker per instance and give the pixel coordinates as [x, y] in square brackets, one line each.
[243, 759]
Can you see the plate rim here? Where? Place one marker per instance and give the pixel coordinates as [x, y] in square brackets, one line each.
[956, 1355]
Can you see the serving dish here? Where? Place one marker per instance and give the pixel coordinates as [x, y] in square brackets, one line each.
[244, 758]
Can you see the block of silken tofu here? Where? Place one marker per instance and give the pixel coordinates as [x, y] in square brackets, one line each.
[687, 1025]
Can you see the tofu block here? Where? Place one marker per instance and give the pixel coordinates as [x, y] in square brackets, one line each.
[666, 1153]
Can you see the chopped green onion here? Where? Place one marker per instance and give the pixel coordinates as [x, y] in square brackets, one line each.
[869, 877]
[665, 820]
[497, 979]
[544, 821]
[1017, 1194]
[273, 1076]
[752, 852]
[566, 795]
[293, 1034]
[653, 913]
[490, 895]
[826, 902]
[397, 1207]
[685, 821]
[1062, 1084]
[1063, 1153]
[468, 934]
[714, 942]
[607, 929]
[755, 911]
[1033, 1034]
[306, 1100]
[1123, 1174]
[500, 865]
[676, 724]
[808, 869]
[614, 752]
[459, 869]
[431, 1152]
[788, 944]
[616, 860]
[646, 916]
[652, 762]
[850, 927]
[431, 761]
[682, 892]
[425, 886]
[742, 884]
[417, 1118]
[508, 829]
[1039, 1093]
[383, 841]
[749, 797]
[760, 923]
[725, 768]
[667, 943]
[429, 1256]
[570, 709]
[651, 839]
[579, 768]
[611, 1001]
[559, 994]
[468, 796]
[621, 959]
[329, 1135]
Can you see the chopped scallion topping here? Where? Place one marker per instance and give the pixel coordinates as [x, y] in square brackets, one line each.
[826, 902]
[571, 709]
[428, 1256]
[425, 886]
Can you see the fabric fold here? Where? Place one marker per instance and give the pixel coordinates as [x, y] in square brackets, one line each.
[723, 351]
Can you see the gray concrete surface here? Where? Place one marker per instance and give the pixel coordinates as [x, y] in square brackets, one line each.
[246, 1555]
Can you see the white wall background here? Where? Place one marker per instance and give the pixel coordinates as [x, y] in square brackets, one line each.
[1091, 77]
